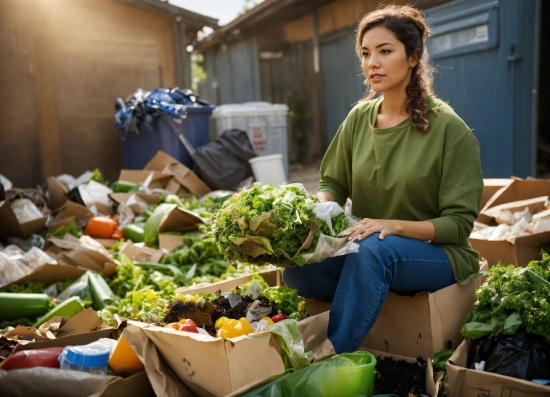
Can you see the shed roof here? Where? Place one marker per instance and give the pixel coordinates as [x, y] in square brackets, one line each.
[271, 12]
[193, 21]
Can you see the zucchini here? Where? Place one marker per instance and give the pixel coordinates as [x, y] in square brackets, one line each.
[14, 305]
[67, 308]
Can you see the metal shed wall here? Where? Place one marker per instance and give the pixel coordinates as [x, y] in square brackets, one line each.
[484, 53]
[342, 77]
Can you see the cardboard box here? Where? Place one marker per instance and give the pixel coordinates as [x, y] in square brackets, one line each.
[10, 226]
[491, 186]
[271, 276]
[42, 382]
[186, 183]
[186, 364]
[420, 325]
[518, 253]
[463, 382]
[133, 200]
[141, 253]
[432, 380]
[518, 189]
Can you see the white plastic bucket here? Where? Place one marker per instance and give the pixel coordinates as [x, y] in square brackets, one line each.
[268, 169]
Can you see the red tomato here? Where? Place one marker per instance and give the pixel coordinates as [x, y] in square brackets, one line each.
[46, 357]
[278, 317]
[188, 325]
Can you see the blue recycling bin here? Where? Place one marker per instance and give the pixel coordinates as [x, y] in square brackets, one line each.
[142, 146]
[154, 120]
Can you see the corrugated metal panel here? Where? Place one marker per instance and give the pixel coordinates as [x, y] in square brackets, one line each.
[483, 54]
[237, 72]
[342, 78]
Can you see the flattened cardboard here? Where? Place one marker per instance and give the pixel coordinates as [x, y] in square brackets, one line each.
[272, 278]
[188, 180]
[420, 325]
[465, 382]
[48, 274]
[58, 193]
[519, 253]
[432, 382]
[10, 226]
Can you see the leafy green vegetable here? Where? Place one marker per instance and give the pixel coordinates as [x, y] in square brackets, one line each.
[98, 177]
[511, 299]
[197, 250]
[269, 224]
[71, 229]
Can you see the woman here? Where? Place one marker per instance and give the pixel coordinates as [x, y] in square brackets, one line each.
[412, 169]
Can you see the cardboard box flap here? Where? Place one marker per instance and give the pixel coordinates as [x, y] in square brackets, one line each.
[519, 189]
[124, 197]
[141, 253]
[163, 379]
[81, 323]
[179, 220]
[534, 205]
[57, 193]
[77, 211]
[48, 274]
[10, 226]
[158, 180]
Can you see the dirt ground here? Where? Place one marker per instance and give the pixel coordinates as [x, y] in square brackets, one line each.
[306, 174]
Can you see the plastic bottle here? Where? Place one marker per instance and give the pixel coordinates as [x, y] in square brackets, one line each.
[92, 358]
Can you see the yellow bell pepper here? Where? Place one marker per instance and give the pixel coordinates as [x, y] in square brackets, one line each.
[268, 320]
[234, 328]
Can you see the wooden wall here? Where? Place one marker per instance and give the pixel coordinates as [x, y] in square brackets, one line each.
[62, 65]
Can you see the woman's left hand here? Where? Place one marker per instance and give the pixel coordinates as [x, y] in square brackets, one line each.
[367, 226]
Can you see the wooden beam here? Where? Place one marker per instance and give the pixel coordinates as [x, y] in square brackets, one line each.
[48, 131]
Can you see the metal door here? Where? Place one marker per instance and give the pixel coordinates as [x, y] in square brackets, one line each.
[484, 54]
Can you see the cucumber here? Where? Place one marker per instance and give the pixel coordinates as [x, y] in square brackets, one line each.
[14, 305]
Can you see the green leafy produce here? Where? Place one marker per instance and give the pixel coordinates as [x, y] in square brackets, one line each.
[511, 299]
[25, 288]
[270, 224]
[197, 250]
[439, 362]
[97, 176]
[71, 229]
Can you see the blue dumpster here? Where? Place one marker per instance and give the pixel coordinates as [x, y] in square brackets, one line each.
[144, 125]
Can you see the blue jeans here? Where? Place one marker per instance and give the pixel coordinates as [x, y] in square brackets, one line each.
[357, 284]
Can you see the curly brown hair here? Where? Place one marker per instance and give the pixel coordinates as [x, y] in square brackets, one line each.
[409, 26]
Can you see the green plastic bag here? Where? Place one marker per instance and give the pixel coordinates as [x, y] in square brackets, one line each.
[345, 375]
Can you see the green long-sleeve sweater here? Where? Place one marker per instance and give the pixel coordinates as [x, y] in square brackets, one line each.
[401, 173]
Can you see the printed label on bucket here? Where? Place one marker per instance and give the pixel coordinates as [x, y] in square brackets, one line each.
[258, 138]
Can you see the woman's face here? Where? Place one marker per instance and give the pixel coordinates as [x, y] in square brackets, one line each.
[384, 61]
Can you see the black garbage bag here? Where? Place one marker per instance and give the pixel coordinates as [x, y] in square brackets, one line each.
[223, 164]
[2, 192]
[522, 355]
